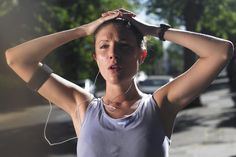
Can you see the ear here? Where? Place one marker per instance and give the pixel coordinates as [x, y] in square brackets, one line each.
[143, 56]
[94, 56]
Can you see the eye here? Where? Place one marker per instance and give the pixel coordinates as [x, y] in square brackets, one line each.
[104, 46]
[125, 46]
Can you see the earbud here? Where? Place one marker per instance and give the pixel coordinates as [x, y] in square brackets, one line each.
[143, 56]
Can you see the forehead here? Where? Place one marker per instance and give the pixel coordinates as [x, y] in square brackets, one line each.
[115, 32]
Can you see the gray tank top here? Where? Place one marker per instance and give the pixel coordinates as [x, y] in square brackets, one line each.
[138, 135]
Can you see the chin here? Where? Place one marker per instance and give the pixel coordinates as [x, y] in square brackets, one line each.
[119, 80]
[114, 80]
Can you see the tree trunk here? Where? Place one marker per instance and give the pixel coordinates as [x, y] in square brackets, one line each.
[192, 13]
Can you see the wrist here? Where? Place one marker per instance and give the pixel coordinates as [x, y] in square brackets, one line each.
[152, 31]
[80, 31]
[162, 30]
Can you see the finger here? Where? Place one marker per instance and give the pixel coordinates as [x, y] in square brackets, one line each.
[104, 14]
[126, 11]
[109, 13]
[126, 15]
[121, 10]
[110, 16]
[118, 13]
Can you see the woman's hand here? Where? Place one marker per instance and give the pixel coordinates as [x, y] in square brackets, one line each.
[121, 11]
[91, 27]
[144, 28]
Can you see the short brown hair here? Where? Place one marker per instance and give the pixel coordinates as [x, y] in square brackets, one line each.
[123, 22]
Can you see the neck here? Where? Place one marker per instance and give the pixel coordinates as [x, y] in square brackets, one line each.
[122, 92]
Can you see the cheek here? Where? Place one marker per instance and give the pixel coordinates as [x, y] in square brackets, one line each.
[101, 62]
[101, 59]
[132, 63]
[132, 59]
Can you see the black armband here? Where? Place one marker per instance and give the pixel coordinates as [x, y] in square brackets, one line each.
[41, 75]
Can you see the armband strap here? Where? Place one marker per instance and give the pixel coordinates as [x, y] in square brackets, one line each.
[41, 75]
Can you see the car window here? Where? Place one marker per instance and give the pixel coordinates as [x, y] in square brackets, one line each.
[153, 82]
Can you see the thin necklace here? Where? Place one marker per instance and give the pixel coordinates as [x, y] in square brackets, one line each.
[109, 106]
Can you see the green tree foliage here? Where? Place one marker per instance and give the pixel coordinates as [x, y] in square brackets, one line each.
[179, 13]
[6, 6]
[209, 16]
[75, 59]
[219, 19]
[16, 25]
[22, 20]
[175, 53]
[155, 53]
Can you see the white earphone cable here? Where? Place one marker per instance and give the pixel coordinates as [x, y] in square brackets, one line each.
[45, 130]
[48, 118]
[75, 137]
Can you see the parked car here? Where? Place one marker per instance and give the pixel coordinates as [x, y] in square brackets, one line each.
[153, 82]
[87, 84]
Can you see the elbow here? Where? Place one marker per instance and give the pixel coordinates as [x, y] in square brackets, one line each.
[228, 50]
[13, 60]
[9, 59]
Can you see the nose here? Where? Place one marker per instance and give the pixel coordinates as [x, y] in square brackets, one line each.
[113, 53]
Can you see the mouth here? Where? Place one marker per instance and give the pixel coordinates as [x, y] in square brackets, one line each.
[115, 67]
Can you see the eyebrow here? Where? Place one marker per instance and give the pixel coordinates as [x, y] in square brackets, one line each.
[103, 40]
[121, 40]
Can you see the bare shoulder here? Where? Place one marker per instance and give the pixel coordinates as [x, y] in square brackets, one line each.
[163, 102]
[168, 111]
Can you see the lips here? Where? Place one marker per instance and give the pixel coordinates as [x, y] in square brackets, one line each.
[115, 67]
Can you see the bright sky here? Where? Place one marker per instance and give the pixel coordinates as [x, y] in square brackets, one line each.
[151, 20]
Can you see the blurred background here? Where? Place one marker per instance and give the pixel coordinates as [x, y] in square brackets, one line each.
[212, 116]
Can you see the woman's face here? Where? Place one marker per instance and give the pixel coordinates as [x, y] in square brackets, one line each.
[117, 53]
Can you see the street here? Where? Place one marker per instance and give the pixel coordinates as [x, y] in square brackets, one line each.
[207, 131]
[21, 133]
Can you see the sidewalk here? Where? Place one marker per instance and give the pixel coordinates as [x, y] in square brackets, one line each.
[21, 133]
[207, 131]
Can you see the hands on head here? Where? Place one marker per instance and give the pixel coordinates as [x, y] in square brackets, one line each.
[128, 15]
[118, 13]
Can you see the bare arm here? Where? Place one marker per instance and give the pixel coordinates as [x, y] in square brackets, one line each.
[213, 53]
[25, 58]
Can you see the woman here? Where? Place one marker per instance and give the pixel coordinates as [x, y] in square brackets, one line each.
[125, 121]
